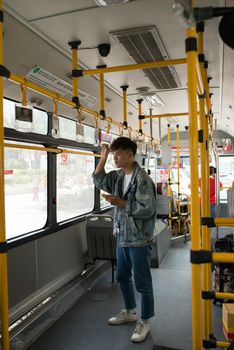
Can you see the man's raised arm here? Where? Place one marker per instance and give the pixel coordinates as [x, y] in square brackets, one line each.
[102, 162]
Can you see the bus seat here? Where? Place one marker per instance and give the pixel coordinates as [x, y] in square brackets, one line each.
[161, 244]
[100, 239]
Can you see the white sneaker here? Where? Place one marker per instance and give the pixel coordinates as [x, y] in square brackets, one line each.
[140, 332]
[123, 317]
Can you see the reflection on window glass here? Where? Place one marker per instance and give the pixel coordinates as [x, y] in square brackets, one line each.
[25, 190]
[75, 189]
[184, 176]
[226, 174]
[88, 134]
[67, 128]
[110, 165]
[162, 175]
[40, 118]
[152, 167]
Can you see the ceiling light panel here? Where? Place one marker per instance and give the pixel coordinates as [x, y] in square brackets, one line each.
[110, 2]
[154, 100]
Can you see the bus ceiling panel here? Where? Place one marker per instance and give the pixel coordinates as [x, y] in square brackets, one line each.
[93, 28]
[46, 8]
[98, 30]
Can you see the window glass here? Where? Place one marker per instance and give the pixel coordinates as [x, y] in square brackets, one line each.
[110, 165]
[184, 176]
[40, 122]
[25, 190]
[88, 134]
[40, 118]
[75, 189]
[162, 175]
[226, 174]
[152, 168]
[67, 128]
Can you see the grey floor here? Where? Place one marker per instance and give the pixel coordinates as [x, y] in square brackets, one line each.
[85, 326]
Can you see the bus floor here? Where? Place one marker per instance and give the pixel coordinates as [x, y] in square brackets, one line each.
[85, 326]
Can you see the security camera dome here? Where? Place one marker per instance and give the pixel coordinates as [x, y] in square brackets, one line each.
[104, 49]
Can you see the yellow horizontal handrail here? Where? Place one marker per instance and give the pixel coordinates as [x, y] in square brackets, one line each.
[223, 257]
[167, 115]
[146, 65]
[222, 344]
[50, 150]
[224, 221]
[219, 295]
[35, 148]
[80, 153]
[46, 92]
[43, 91]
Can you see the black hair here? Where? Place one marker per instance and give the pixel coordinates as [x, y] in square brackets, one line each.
[212, 170]
[123, 143]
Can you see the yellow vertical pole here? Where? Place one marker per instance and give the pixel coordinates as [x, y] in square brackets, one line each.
[178, 173]
[159, 128]
[74, 67]
[75, 73]
[102, 93]
[169, 173]
[207, 88]
[125, 118]
[102, 108]
[169, 195]
[205, 189]
[140, 116]
[209, 284]
[191, 50]
[3, 246]
[168, 134]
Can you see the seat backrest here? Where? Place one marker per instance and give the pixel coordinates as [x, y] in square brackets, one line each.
[100, 239]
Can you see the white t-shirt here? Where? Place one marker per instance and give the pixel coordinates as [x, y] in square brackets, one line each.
[127, 180]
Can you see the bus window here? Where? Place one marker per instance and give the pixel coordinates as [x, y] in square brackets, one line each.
[25, 190]
[75, 189]
[226, 174]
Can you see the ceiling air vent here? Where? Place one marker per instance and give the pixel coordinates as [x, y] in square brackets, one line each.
[145, 45]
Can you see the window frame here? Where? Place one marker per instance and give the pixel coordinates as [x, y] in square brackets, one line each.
[51, 225]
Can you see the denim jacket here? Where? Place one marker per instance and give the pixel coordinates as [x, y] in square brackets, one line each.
[134, 224]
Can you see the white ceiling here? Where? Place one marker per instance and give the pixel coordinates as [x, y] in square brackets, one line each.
[38, 32]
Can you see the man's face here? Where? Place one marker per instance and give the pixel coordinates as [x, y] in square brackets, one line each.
[122, 158]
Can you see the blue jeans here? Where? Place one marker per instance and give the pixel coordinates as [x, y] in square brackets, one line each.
[136, 259]
[213, 210]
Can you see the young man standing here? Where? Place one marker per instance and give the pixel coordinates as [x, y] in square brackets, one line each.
[133, 194]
